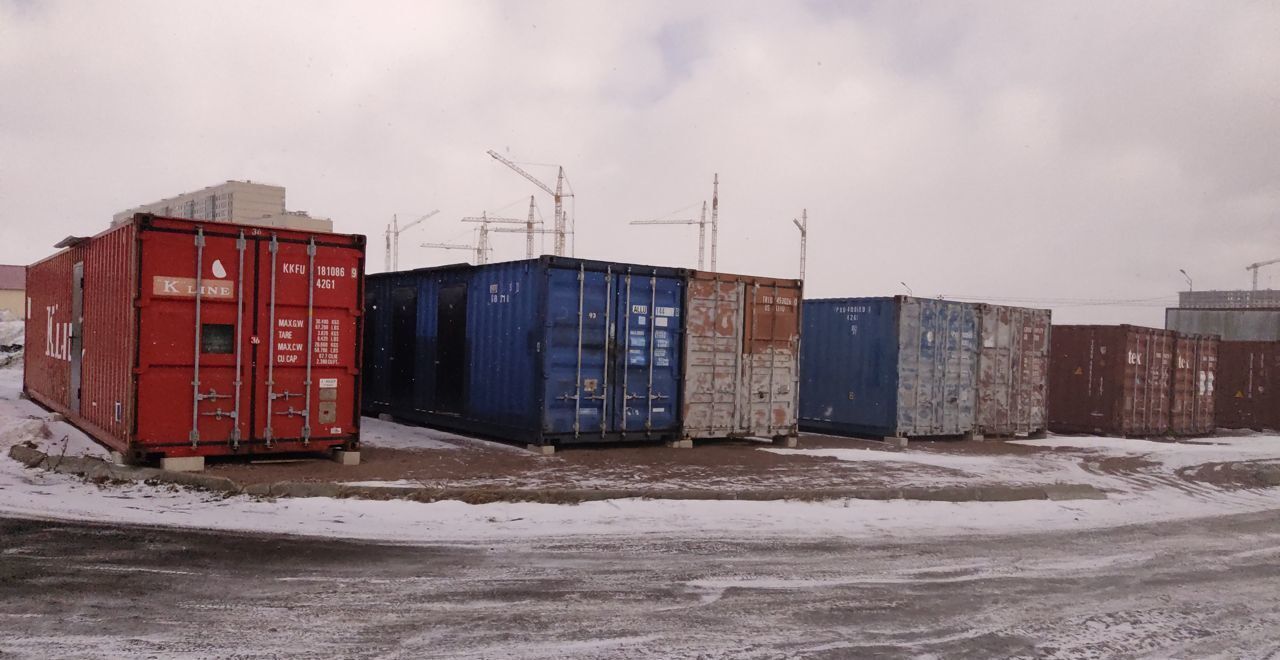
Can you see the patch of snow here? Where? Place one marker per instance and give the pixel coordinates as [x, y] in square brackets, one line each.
[1172, 455]
[12, 331]
[390, 435]
[398, 483]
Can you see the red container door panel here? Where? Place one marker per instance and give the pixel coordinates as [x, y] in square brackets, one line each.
[291, 325]
[179, 408]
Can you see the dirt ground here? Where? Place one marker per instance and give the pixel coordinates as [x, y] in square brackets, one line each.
[437, 459]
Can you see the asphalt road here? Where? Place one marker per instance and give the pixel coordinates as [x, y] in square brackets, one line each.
[78, 590]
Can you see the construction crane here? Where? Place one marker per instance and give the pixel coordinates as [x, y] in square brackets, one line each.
[485, 220]
[1255, 267]
[476, 250]
[702, 229]
[715, 218]
[558, 195]
[803, 225]
[393, 239]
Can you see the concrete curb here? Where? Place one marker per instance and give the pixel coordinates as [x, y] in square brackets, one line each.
[94, 469]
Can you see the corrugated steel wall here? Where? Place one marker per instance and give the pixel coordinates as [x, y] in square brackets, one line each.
[47, 345]
[1247, 387]
[1110, 379]
[888, 366]
[548, 350]
[1013, 370]
[742, 338]
[937, 367]
[1229, 324]
[1195, 367]
[110, 338]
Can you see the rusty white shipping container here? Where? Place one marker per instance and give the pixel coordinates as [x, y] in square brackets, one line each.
[1195, 369]
[1110, 379]
[1013, 370]
[742, 349]
[175, 338]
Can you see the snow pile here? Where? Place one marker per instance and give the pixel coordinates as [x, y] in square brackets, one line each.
[1171, 455]
[1047, 469]
[12, 329]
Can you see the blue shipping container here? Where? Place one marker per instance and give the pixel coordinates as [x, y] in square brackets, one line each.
[550, 350]
[888, 367]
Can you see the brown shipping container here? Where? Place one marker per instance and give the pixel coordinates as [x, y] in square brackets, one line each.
[1247, 386]
[1110, 379]
[1013, 370]
[172, 338]
[1195, 366]
[742, 344]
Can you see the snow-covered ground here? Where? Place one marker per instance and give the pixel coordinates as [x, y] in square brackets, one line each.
[35, 493]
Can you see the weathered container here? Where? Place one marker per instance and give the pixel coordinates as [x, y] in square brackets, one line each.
[1110, 379]
[1229, 324]
[1247, 388]
[1013, 370]
[1195, 367]
[888, 367]
[742, 354]
[546, 351]
[175, 338]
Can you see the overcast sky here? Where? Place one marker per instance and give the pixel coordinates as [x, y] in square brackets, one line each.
[1032, 151]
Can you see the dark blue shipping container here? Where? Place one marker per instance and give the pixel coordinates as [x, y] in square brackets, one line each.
[547, 351]
[888, 367]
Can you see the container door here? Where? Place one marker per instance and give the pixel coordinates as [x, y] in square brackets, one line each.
[648, 334]
[713, 399]
[192, 368]
[937, 378]
[403, 352]
[308, 312]
[451, 349]
[77, 333]
[770, 360]
[581, 311]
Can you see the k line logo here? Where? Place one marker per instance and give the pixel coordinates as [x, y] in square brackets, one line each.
[185, 287]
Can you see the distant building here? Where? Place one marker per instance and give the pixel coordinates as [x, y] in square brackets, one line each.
[238, 202]
[1232, 315]
[1260, 299]
[13, 295]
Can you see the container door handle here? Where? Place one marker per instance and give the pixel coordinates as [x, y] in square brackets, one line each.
[194, 436]
[271, 341]
[239, 379]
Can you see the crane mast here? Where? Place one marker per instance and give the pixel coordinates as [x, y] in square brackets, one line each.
[715, 218]
[803, 225]
[702, 229]
[557, 194]
[392, 260]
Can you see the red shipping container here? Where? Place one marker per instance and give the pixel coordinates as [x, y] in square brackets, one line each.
[174, 338]
[1195, 367]
[1110, 379]
[1247, 389]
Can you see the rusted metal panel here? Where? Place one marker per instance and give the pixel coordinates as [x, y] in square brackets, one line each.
[1195, 367]
[167, 337]
[1247, 387]
[1110, 379]
[742, 339]
[1013, 370]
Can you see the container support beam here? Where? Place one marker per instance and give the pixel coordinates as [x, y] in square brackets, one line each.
[194, 436]
[241, 244]
[626, 359]
[653, 326]
[271, 341]
[311, 322]
[604, 388]
[577, 392]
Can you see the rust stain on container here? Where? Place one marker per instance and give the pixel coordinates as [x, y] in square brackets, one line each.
[1013, 370]
[1247, 387]
[742, 336]
[1112, 380]
[1195, 368]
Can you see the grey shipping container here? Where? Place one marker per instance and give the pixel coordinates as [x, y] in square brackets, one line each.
[742, 344]
[1110, 379]
[1013, 370]
[1228, 324]
[886, 367]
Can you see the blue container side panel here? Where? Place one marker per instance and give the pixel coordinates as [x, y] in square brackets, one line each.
[375, 345]
[503, 336]
[849, 366]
